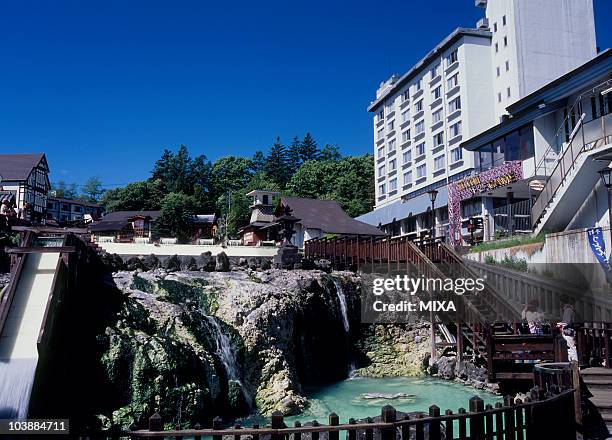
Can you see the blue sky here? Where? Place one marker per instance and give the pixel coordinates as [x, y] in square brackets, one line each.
[104, 86]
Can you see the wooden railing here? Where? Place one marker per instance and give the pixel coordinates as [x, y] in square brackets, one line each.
[17, 263]
[593, 343]
[512, 357]
[541, 415]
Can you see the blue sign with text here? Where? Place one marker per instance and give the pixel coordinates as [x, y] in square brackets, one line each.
[598, 246]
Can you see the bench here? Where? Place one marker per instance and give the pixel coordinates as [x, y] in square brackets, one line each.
[206, 241]
[234, 242]
[106, 239]
[142, 240]
[267, 243]
[168, 240]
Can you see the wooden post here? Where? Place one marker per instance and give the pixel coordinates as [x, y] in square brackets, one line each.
[576, 385]
[448, 425]
[277, 423]
[459, 325]
[434, 427]
[254, 435]
[499, 422]
[388, 414]
[334, 420]
[509, 419]
[297, 435]
[476, 421]
[217, 424]
[419, 429]
[197, 427]
[369, 432]
[405, 428]
[462, 424]
[351, 433]
[315, 434]
[155, 422]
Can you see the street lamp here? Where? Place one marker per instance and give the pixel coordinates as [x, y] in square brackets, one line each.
[606, 177]
[432, 196]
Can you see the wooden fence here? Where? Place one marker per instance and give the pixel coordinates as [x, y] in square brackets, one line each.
[541, 415]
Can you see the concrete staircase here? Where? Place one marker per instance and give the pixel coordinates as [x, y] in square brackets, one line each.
[599, 382]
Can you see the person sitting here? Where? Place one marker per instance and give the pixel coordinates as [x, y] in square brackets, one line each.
[534, 317]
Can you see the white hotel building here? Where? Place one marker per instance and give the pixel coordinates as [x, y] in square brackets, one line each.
[460, 89]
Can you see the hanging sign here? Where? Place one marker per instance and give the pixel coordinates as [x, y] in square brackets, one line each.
[598, 246]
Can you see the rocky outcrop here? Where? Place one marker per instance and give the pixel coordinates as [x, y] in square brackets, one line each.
[467, 372]
[194, 345]
[393, 350]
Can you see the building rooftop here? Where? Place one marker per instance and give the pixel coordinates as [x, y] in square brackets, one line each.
[18, 166]
[328, 216]
[115, 221]
[421, 64]
[73, 201]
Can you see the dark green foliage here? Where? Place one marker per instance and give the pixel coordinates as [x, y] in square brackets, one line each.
[349, 181]
[276, 164]
[181, 185]
[309, 149]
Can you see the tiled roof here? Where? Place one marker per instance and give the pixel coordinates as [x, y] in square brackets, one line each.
[18, 166]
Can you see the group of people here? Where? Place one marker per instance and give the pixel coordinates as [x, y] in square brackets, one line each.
[8, 210]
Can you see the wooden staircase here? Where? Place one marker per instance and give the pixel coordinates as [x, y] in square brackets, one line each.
[599, 382]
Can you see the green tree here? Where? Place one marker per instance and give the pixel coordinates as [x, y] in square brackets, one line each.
[230, 173]
[175, 219]
[65, 191]
[137, 196]
[330, 152]
[180, 173]
[258, 161]
[276, 164]
[92, 190]
[309, 150]
[349, 181]
[294, 159]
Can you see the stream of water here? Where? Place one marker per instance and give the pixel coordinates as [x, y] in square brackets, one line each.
[343, 306]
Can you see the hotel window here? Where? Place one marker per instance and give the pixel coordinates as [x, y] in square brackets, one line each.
[454, 130]
[418, 106]
[392, 165]
[381, 151]
[505, 41]
[435, 71]
[406, 136]
[381, 170]
[421, 171]
[436, 116]
[498, 71]
[495, 27]
[392, 184]
[438, 163]
[405, 95]
[504, 20]
[453, 81]
[436, 93]
[454, 105]
[407, 177]
[391, 146]
[419, 127]
[390, 108]
[418, 85]
[382, 189]
[499, 97]
[456, 154]
[438, 139]
[507, 66]
[496, 47]
[405, 115]
[391, 125]
[406, 157]
[452, 57]
[508, 92]
[381, 115]
[381, 133]
[420, 149]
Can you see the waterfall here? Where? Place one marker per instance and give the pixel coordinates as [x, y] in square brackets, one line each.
[343, 306]
[16, 380]
[227, 356]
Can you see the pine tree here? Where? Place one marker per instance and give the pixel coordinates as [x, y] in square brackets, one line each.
[309, 150]
[276, 163]
[294, 159]
[259, 162]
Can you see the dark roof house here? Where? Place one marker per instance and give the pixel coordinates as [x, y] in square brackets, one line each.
[326, 215]
[17, 167]
[118, 220]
